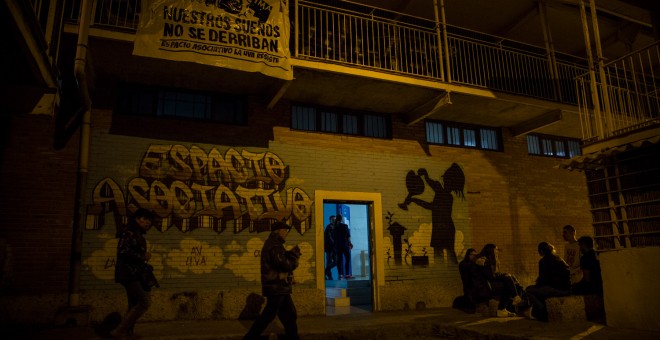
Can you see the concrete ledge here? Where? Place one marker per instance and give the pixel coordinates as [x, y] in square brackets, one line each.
[487, 309]
[567, 308]
[575, 308]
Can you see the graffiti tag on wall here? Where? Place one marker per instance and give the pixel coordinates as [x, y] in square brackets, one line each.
[188, 188]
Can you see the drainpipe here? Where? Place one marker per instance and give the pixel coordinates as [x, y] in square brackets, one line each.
[83, 153]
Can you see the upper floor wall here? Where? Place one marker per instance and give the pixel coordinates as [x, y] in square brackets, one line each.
[372, 48]
[369, 38]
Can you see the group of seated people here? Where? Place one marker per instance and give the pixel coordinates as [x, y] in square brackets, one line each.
[483, 281]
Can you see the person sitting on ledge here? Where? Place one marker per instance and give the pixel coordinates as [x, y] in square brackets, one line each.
[554, 280]
[592, 281]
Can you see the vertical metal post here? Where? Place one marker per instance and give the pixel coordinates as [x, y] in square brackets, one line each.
[601, 67]
[444, 38]
[550, 50]
[439, 42]
[592, 74]
[296, 29]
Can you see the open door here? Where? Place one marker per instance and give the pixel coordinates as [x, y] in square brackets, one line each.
[354, 289]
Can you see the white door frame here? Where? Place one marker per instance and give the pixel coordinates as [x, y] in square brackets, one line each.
[375, 228]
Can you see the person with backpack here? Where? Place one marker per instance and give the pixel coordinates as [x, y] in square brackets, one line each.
[132, 270]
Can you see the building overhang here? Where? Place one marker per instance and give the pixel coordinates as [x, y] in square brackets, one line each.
[598, 155]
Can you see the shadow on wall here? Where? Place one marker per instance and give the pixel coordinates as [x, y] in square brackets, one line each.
[251, 310]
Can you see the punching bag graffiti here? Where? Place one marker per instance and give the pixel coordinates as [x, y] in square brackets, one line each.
[188, 188]
[443, 233]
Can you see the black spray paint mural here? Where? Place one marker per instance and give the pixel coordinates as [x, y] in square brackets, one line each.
[189, 188]
[443, 234]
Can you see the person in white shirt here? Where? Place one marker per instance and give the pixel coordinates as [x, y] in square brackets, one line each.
[572, 253]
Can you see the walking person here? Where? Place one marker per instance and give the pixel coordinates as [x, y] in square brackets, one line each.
[343, 245]
[329, 248]
[277, 266]
[130, 268]
[554, 280]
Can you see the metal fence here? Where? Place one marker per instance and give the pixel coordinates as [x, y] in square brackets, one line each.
[625, 96]
[109, 14]
[41, 11]
[371, 38]
[351, 36]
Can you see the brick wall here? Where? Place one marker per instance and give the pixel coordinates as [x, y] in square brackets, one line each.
[37, 194]
[510, 198]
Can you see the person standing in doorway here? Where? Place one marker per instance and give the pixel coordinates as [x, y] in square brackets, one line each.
[572, 253]
[132, 257]
[329, 247]
[343, 245]
[277, 266]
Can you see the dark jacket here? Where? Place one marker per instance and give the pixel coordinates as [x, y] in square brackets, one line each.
[589, 263]
[342, 236]
[554, 272]
[481, 275]
[277, 266]
[329, 238]
[131, 252]
[464, 268]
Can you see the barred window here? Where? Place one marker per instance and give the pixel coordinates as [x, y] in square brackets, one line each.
[552, 146]
[167, 102]
[335, 121]
[463, 135]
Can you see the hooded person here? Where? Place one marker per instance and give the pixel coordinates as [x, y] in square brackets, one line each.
[277, 266]
[131, 269]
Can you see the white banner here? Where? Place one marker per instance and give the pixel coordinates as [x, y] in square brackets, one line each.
[246, 35]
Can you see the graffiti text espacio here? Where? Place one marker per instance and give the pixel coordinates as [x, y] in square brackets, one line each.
[182, 183]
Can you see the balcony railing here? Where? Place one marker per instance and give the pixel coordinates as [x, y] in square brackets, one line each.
[626, 98]
[371, 38]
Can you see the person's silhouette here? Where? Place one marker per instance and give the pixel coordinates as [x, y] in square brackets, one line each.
[443, 233]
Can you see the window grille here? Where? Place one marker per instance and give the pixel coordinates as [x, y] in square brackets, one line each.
[175, 103]
[335, 121]
[552, 146]
[463, 135]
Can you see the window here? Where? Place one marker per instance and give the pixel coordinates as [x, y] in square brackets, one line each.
[334, 121]
[463, 135]
[166, 102]
[551, 146]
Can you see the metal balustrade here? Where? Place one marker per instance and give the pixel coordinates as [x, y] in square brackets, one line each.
[108, 14]
[362, 39]
[41, 11]
[370, 38]
[627, 97]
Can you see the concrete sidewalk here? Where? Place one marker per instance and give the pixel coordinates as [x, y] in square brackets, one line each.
[441, 323]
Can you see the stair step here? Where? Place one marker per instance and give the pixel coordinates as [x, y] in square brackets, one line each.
[338, 301]
[335, 292]
[340, 310]
[360, 296]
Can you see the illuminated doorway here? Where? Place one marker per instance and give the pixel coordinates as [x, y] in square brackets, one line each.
[362, 213]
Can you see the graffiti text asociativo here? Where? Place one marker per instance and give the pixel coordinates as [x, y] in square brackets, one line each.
[189, 188]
